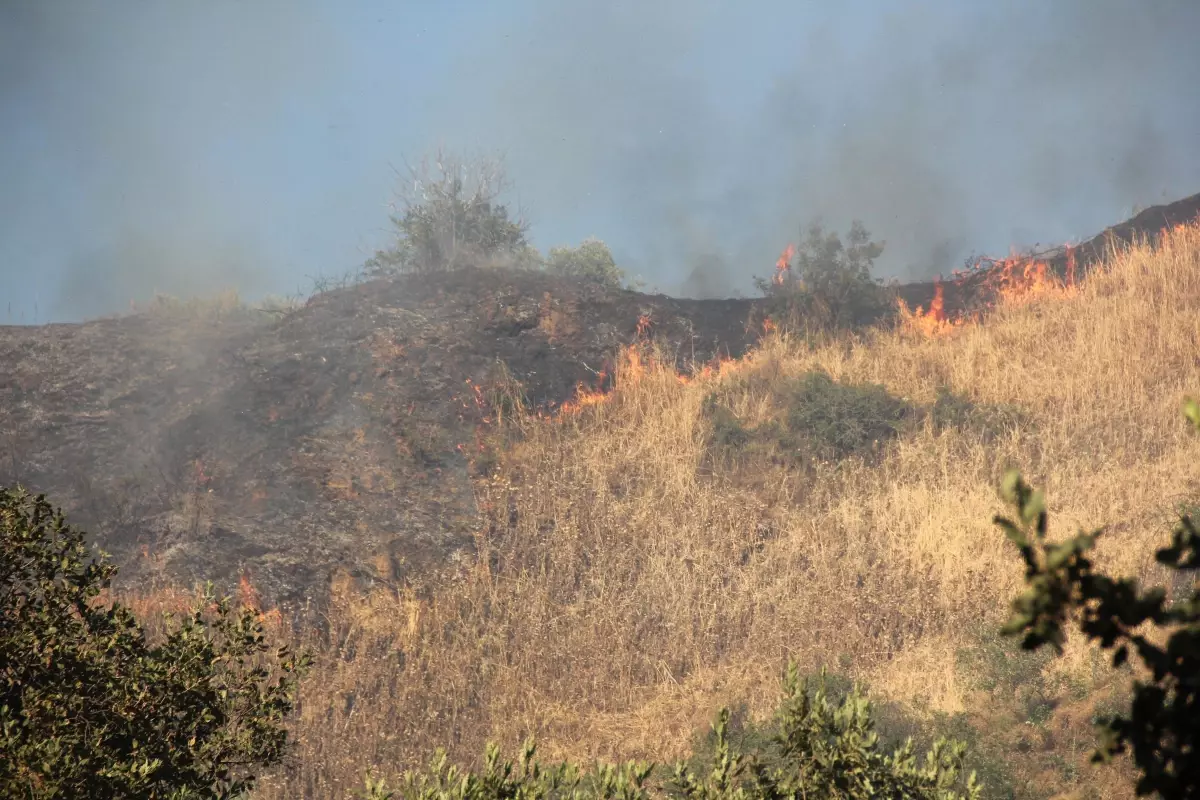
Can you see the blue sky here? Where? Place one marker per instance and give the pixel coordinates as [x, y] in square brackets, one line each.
[188, 147]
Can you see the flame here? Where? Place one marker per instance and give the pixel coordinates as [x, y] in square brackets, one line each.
[933, 322]
[784, 265]
[635, 364]
[643, 325]
[1017, 280]
[249, 597]
[247, 594]
[1011, 281]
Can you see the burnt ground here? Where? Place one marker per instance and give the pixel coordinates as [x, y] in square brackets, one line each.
[328, 438]
[340, 435]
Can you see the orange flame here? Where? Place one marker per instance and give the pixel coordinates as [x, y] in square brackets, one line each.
[248, 597]
[634, 366]
[1010, 281]
[1019, 280]
[783, 265]
[933, 322]
[643, 325]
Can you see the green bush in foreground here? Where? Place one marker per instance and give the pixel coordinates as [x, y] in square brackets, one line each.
[1162, 727]
[821, 749]
[90, 708]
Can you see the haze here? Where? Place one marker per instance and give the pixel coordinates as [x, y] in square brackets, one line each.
[190, 147]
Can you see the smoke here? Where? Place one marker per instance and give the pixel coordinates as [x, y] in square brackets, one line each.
[186, 147]
[123, 120]
[946, 127]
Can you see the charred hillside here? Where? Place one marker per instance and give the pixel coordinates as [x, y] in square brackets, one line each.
[344, 434]
[341, 435]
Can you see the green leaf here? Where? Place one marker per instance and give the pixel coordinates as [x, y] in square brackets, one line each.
[1191, 410]
[1014, 533]
[1034, 507]
[1009, 486]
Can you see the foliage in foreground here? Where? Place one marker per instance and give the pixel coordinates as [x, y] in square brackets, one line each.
[1162, 727]
[90, 708]
[821, 749]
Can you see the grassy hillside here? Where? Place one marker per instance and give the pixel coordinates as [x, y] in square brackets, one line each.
[664, 549]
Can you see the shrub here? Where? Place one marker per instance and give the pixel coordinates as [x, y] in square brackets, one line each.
[592, 260]
[822, 748]
[90, 708]
[839, 420]
[449, 217]
[829, 285]
[987, 420]
[1162, 727]
[821, 419]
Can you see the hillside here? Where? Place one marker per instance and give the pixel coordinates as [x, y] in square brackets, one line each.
[714, 502]
[221, 441]
[668, 548]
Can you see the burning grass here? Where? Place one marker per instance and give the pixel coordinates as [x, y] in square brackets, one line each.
[625, 586]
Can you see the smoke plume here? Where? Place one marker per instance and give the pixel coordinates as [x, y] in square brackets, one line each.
[187, 147]
[707, 134]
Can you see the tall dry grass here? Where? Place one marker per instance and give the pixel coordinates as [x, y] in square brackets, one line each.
[628, 582]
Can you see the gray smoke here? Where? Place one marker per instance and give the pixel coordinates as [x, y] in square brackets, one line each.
[695, 137]
[946, 127]
[125, 107]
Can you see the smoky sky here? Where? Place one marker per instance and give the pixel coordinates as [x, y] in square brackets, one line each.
[708, 133]
[194, 146]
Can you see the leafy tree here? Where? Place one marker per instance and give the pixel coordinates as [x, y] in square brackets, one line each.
[591, 260]
[449, 216]
[826, 282]
[1162, 727]
[89, 707]
[822, 750]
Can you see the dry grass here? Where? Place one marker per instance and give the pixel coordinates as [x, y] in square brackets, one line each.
[627, 584]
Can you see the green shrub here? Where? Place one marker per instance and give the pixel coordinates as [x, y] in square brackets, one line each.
[592, 260]
[821, 419]
[1162, 726]
[822, 748]
[449, 217]
[987, 420]
[828, 284]
[839, 420]
[90, 708]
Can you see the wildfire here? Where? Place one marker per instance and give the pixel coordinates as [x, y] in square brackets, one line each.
[933, 322]
[1010, 281]
[635, 364]
[643, 325]
[783, 265]
[1017, 280]
[248, 597]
